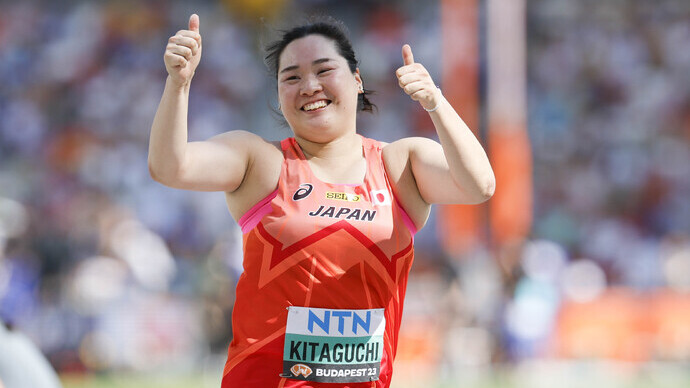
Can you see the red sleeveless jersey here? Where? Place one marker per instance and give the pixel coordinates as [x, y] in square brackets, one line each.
[318, 245]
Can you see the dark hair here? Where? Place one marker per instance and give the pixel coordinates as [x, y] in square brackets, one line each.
[327, 27]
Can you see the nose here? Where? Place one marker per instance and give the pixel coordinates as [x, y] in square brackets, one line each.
[310, 86]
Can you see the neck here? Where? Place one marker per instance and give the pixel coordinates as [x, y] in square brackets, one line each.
[341, 148]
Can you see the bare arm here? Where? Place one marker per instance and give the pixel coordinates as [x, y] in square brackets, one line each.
[455, 171]
[218, 164]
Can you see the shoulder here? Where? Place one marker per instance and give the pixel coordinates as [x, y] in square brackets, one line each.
[256, 147]
[265, 155]
[409, 143]
[403, 143]
[397, 153]
[262, 175]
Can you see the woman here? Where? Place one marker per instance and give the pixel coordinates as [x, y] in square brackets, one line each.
[328, 216]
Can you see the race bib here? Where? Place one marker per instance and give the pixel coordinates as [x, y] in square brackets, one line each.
[333, 346]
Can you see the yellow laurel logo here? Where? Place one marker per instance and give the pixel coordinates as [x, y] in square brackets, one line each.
[300, 369]
[343, 196]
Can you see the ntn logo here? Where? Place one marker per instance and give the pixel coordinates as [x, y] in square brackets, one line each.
[357, 320]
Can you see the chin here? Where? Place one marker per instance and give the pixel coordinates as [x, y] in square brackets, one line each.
[317, 133]
[318, 136]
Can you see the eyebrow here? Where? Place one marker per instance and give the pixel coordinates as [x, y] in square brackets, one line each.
[315, 62]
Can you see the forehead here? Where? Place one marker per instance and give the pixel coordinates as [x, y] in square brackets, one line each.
[308, 49]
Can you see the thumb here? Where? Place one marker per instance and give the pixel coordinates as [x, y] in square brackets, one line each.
[408, 58]
[194, 23]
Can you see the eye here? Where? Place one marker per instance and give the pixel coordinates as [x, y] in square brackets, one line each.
[291, 78]
[322, 71]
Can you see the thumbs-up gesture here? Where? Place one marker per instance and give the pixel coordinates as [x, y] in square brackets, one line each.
[415, 80]
[183, 52]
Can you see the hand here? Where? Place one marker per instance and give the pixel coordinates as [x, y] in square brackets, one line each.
[183, 52]
[415, 80]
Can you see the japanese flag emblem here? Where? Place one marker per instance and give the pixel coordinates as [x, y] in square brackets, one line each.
[380, 197]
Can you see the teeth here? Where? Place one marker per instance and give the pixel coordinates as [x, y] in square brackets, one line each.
[315, 105]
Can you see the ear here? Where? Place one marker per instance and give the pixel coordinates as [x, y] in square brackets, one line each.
[358, 79]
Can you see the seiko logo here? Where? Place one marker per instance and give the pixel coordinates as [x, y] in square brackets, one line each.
[343, 196]
[303, 192]
[300, 369]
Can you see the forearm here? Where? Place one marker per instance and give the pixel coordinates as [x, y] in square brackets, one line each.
[168, 139]
[469, 166]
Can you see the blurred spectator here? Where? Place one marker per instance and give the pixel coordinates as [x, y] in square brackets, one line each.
[22, 364]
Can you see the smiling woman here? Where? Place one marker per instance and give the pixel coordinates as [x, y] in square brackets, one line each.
[328, 216]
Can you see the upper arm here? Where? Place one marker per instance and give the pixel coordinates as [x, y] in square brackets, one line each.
[219, 163]
[431, 173]
[398, 168]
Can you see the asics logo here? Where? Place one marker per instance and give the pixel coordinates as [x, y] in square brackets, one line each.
[303, 192]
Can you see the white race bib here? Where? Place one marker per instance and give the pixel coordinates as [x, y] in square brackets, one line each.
[333, 346]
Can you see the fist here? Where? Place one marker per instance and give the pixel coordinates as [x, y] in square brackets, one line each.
[415, 80]
[183, 52]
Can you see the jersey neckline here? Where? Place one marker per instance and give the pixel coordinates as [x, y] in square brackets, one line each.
[365, 154]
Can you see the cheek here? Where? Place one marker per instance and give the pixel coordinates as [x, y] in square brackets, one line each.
[284, 98]
[350, 91]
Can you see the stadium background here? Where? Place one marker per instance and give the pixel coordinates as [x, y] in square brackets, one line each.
[581, 280]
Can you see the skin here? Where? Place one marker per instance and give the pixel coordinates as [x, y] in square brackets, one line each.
[422, 171]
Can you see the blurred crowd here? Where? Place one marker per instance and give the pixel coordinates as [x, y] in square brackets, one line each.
[105, 269]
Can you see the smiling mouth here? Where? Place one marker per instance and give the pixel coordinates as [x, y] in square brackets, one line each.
[312, 106]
